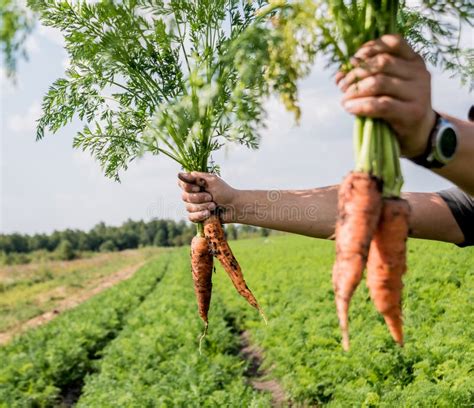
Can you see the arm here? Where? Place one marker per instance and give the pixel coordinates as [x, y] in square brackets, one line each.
[310, 212]
[390, 81]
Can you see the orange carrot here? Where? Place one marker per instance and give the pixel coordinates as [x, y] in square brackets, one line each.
[202, 266]
[220, 249]
[359, 205]
[387, 264]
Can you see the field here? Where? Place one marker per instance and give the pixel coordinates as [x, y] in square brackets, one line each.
[136, 344]
[32, 289]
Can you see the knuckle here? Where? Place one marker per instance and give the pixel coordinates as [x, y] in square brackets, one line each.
[383, 105]
[184, 196]
[383, 61]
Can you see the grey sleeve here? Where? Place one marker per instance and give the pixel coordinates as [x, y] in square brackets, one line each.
[462, 208]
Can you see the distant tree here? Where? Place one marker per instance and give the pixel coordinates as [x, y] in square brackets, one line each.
[161, 238]
[108, 246]
[265, 232]
[231, 231]
[65, 251]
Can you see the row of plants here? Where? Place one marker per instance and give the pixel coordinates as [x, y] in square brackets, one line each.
[38, 367]
[155, 361]
[290, 276]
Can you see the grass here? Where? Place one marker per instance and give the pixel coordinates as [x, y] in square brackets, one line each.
[29, 290]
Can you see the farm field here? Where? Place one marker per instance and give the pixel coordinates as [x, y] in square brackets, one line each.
[29, 290]
[136, 344]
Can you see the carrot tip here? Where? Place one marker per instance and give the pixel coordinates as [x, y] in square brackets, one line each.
[262, 313]
[201, 338]
[345, 341]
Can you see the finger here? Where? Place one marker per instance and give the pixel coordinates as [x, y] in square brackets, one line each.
[192, 208]
[196, 198]
[391, 44]
[202, 178]
[199, 216]
[380, 84]
[383, 107]
[187, 177]
[339, 77]
[189, 188]
[379, 64]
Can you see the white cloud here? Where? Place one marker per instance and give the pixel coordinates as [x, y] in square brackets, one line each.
[25, 122]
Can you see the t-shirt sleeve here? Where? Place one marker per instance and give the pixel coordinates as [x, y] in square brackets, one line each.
[462, 208]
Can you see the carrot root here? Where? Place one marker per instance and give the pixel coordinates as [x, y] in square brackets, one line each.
[359, 206]
[221, 250]
[387, 264]
[201, 267]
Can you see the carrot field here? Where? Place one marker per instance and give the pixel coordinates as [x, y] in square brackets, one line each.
[136, 344]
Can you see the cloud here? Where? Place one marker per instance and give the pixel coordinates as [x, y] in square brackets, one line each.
[25, 122]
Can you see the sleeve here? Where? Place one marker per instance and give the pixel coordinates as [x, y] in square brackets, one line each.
[462, 208]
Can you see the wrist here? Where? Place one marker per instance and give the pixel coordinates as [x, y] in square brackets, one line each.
[232, 209]
[419, 144]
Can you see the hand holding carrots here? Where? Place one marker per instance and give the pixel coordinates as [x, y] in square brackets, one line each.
[390, 81]
[203, 192]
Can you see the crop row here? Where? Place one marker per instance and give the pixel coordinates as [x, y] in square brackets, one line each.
[291, 277]
[38, 367]
[155, 360]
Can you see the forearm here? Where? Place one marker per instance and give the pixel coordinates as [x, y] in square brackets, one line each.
[313, 213]
[461, 170]
[306, 212]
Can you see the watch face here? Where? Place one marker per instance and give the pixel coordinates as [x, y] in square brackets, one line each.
[447, 143]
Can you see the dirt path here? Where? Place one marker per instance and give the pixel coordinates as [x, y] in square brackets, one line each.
[256, 375]
[72, 301]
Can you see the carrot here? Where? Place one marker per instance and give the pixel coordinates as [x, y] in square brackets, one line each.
[387, 264]
[221, 250]
[201, 266]
[359, 205]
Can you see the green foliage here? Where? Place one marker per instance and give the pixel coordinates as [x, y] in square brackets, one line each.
[137, 343]
[159, 346]
[18, 248]
[150, 76]
[65, 251]
[147, 326]
[291, 278]
[333, 30]
[37, 366]
[15, 26]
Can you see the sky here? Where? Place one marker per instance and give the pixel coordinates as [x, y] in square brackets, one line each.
[47, 185]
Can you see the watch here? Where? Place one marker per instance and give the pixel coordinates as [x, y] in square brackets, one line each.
[441, 147]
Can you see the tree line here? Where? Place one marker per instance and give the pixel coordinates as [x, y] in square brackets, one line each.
[70, 243]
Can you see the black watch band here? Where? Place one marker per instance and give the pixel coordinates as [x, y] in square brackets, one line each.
[426, 159]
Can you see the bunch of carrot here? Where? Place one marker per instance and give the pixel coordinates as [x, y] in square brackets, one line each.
[209, 242]
[372, 229]
[372, 225]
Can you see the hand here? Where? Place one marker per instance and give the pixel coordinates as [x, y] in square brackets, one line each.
[203, 193]
[390, 81]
